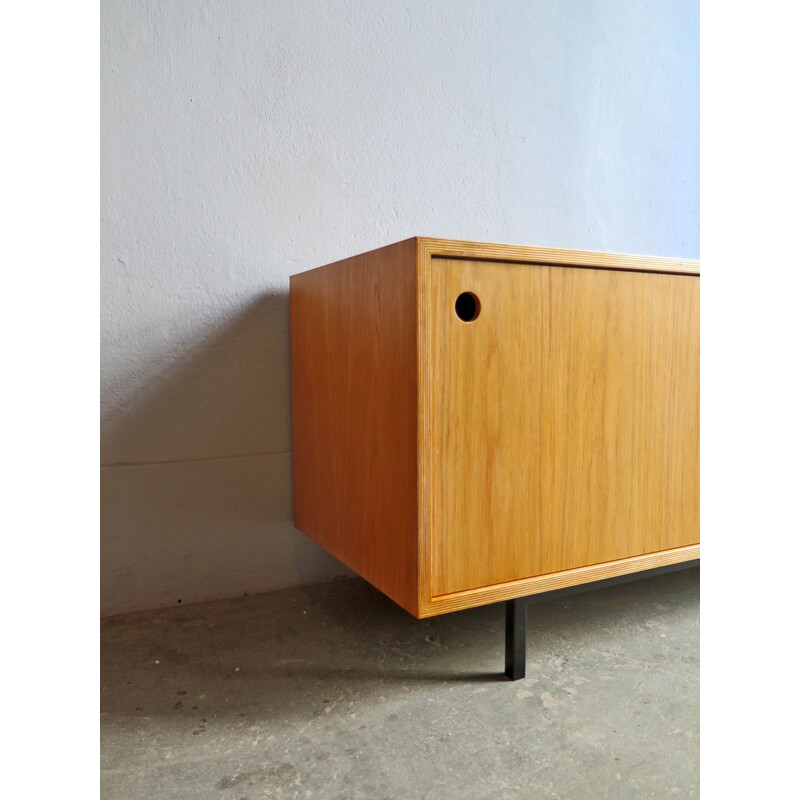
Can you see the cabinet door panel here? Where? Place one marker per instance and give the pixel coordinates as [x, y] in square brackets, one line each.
[564, 419]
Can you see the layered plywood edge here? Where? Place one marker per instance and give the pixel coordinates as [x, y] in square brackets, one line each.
[370, 420]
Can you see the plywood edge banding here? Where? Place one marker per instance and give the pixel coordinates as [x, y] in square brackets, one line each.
[424, 448]
[545, 256]
[484, 595]
[652, 270]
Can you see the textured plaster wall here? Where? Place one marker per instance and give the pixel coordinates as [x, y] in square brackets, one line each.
[244, 140]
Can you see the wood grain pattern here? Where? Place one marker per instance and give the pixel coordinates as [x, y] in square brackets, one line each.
[563, 421]
[553, 441]
[354, 414]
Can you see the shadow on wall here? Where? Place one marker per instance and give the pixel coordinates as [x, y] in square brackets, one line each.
[196, 498]
[229, 397]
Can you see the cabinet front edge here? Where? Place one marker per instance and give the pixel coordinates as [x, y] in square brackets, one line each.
[496, 593]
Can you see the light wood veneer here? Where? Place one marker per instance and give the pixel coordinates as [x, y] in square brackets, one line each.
[551, 441]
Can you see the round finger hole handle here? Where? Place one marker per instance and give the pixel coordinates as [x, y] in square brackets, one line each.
[468, 307]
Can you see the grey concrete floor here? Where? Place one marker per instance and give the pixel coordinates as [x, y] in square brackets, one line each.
[333, 692]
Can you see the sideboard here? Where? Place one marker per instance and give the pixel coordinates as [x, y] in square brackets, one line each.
[475, 423]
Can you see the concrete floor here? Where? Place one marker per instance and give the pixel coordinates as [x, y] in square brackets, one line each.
[333, 692]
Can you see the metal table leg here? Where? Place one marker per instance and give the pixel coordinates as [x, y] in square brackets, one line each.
[517, 611]
[516, 630]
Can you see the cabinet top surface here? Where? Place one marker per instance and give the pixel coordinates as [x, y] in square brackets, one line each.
[428, 247]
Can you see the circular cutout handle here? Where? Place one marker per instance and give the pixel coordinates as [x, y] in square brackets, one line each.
[468, 307]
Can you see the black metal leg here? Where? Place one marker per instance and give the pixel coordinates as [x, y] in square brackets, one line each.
[516, 630]
[517, 612]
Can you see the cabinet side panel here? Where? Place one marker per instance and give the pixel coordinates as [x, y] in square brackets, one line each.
[565, 420]
[354, 404]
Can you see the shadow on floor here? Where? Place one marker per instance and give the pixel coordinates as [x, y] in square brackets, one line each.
[293, 652]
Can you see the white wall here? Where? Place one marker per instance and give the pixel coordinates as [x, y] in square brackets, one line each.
[245, 140]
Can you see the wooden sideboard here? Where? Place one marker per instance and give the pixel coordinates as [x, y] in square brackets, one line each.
[480, 422]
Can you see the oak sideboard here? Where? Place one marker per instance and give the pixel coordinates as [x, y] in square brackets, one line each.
[475, 423]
